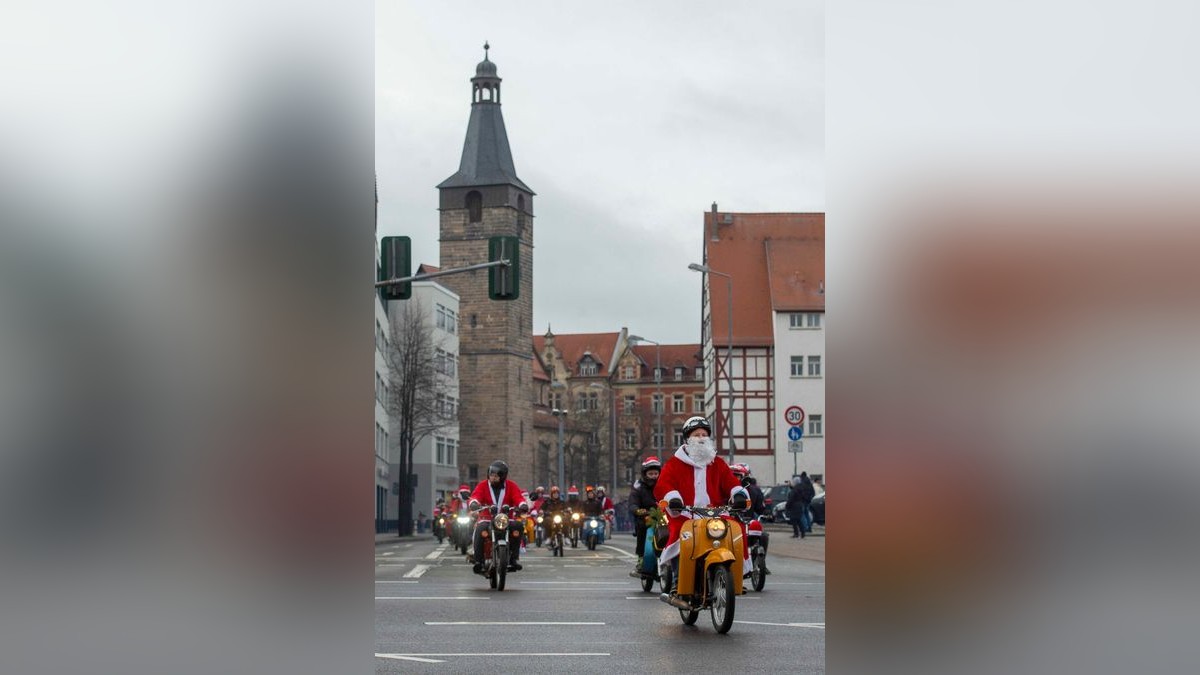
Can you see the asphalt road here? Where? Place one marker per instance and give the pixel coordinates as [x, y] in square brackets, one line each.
[582, 614]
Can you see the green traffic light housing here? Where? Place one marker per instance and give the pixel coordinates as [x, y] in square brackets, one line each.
[504, 280]
[395, 262]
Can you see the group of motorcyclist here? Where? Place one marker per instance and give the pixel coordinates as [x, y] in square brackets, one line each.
[694, 476]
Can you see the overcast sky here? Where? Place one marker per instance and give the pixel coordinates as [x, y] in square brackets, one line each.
[628, 119]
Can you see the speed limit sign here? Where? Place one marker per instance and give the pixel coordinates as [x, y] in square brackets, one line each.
[794, 415]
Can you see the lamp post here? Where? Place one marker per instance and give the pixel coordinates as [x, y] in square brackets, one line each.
[562, 416]
[658, 386]
[705, 269]
[612, 439]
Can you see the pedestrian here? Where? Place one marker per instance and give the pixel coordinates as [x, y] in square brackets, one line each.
[807, 494]
[795, 510]
[420, 522]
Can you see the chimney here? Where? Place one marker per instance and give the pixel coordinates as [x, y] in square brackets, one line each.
[714, 236]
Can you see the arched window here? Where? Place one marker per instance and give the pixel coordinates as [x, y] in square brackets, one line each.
[474, 207]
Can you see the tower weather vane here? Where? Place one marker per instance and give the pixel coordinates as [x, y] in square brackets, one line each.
[486, 47]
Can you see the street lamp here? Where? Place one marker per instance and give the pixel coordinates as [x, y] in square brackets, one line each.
[562, 416]
[658, 382]
[705, 269]
[612, 439]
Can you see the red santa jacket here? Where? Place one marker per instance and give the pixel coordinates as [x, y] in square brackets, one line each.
[711, 485]
[510, 495]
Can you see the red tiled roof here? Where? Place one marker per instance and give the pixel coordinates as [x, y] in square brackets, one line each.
[687, 356]
[426, 268]
[796, 271]
[539, 373]
[741, 252]
[574, 346]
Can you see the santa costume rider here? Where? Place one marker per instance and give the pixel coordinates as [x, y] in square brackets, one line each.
[497, 491]
[695, 476]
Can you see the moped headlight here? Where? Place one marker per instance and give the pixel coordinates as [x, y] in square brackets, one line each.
[557, 519]
[716, 528]
[501, 521]
[574, 516]
[539, 519]
[464, 520]
[592, 523]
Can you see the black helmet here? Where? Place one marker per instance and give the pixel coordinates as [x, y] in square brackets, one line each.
[499, 467]
[694, 423]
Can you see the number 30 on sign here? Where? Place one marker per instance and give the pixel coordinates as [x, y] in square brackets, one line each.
[794, 415]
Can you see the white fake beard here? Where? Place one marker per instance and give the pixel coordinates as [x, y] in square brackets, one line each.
[702, 450]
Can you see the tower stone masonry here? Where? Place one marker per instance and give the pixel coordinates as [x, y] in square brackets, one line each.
[483, 199]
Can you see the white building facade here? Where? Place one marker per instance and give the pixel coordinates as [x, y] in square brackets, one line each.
[799, 381]
[435, 458]
[385, 500]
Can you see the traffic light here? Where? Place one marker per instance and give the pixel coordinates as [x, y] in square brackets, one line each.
[503, 280]
[395, 262]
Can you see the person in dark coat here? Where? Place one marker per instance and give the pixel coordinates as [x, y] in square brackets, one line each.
[795, 510]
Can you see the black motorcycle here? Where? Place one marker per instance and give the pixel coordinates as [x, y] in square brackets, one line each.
[498, 542]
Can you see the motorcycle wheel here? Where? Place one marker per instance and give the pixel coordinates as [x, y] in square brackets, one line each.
[758, 577]
[501, 573]
[558, 545]
[591, 543]
[492, 578]
[721, 606]
[689, 616]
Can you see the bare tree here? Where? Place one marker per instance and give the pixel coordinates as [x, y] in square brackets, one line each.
[418, 371]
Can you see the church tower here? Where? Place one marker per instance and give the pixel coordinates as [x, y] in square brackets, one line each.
[483, 199]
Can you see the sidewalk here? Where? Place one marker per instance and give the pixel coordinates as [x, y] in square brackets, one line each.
[811, 547]
[384, 538]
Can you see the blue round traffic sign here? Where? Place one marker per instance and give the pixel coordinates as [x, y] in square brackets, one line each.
[794, 433]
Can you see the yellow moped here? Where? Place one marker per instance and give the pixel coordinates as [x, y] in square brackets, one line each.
[710, 567]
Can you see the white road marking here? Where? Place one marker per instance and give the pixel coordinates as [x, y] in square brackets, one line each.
[431, 597]
[627, 554]
[396, 582]
[388, 553]
[790, 625]
[436, 553]
[417, 571]
[579, 583]
[514, 623]
[502, 654]
[405, 657]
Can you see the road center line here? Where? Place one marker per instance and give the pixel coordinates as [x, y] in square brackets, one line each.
[501, 654]
[395, 582]
[580, 583]
[405, 657]
[417, 571]
[514, 623]
[431, 597]
[789, 625]
[388, 553]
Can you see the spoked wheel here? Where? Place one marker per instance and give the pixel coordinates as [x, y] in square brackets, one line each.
[722, 599]
[758, 573]
[501, 571]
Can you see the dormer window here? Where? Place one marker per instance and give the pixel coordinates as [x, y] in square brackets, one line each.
[588, 367]
[679, 370]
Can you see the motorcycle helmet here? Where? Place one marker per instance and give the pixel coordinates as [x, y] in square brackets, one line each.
[554, 491]
[650, 463]
[694, 423]
[588, 488]
[500, 468]
[599, 490]
[539, 490]
[740, 470]
[524, 507]
[464, 491]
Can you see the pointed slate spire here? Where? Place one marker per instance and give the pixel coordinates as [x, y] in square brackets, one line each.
[486, 157]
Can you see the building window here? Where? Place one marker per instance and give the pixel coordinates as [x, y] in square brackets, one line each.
[451, 452]
[678, 438]
[451, 364]
[699, 372]
[657, 436]
[631, 439]
[474, 207]
[805, 320]
[658, 374]
[629, 372]
[451, 407]
[797, 366]
[697, 403]
[439, 444]
[593, 401]
[556, 400]
[814, 366]
[679, 370]
[473, 473]
[447, 319]
[816, 425]
[630, 404]
[677, 403]
[588, 367]
[439, 404]
[656, 403]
